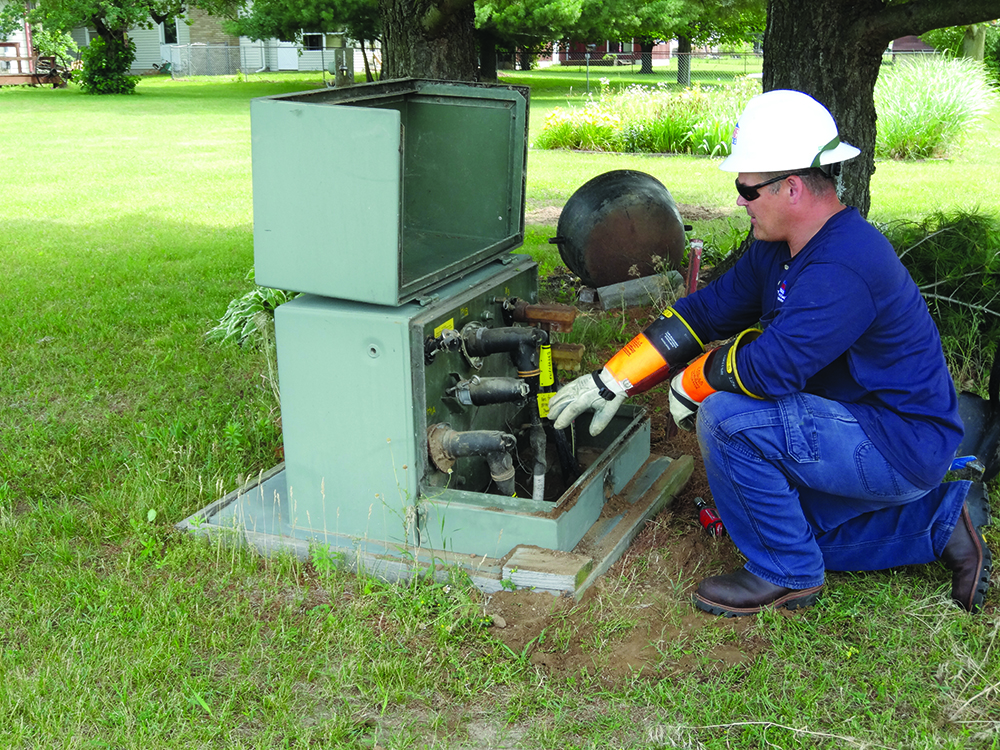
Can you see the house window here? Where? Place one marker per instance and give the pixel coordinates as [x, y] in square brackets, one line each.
[169, 31]
[313, 42]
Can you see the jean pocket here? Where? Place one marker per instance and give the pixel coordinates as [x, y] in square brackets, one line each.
[799, 422]
[877, 476]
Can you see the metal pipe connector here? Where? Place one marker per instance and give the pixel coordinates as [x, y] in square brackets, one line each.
[445, 445]
[478, 391]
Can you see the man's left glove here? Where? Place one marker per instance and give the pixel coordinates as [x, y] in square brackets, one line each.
[713, 371]
[598, 391]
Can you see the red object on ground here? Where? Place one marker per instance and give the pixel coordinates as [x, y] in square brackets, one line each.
[709, 519]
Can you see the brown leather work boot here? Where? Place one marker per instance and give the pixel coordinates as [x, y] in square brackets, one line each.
[968, 558]
[742, 593]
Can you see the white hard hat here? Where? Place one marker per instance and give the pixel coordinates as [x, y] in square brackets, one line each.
[783, 130]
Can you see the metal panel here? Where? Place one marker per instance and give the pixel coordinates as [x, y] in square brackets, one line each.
[326, 199]
[347, 416]
[354, 407]
[385, 192]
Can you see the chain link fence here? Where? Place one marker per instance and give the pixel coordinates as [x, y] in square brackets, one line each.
[223, 59]
[205, 60]
[685, 69]
[681, 67]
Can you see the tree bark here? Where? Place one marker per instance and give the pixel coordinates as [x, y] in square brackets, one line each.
[429, 39]
[832, 50]
[487, 57]
[683, 61]
[974, 42]
[646, 55]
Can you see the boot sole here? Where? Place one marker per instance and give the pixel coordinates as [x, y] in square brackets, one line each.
[793, 600]
[978, 503]
[983, 584]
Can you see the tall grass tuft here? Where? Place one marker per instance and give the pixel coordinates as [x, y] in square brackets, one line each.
[638, 119]
[926, 105]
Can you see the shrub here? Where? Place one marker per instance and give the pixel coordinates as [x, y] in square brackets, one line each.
[105, 67]
[925, 105]
[955, 260]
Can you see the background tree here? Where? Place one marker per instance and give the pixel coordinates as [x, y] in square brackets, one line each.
[290, 19]
[690, 22]
[525, 26]
[106, 66]
[11, 18]
[832, 50]
[624, 20]
[420, 38]
[985, 47]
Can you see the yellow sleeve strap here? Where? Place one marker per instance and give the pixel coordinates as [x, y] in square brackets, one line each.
[716, 370]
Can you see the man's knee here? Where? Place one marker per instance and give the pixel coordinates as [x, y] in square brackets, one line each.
[721, 406]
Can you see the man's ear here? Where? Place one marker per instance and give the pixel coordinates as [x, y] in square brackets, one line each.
[796, 188]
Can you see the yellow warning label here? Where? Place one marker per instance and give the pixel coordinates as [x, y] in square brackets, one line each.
[543, 403]
[547, 376]
[448, 325]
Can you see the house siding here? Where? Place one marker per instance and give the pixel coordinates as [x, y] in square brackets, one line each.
[206, 29]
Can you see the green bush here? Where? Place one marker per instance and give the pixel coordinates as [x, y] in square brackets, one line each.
[949, 41]
[105, 67]
[955, 260]
[926, 105]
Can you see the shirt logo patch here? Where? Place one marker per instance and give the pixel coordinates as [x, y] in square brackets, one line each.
[782, 290]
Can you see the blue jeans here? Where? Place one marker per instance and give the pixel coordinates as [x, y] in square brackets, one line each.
[801, 490]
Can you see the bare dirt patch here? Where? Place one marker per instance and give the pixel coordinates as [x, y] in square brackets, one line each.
[550, 214]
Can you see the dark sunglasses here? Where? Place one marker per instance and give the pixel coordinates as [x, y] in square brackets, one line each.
[752, 192]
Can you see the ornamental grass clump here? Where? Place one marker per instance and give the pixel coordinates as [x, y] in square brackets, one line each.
[639, 119]
[926, 105]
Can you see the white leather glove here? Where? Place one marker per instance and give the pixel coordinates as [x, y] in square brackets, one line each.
[683, 408]
[584, 394]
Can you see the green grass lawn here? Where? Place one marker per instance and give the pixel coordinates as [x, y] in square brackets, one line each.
[126, 230]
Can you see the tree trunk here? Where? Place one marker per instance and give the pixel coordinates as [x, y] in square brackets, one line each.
[487, 57]
[974, 42]
[837, 69]
[646, 55]
[368, 68]
[525, 58]
[832, 50]
[426, 39]
[683, 61]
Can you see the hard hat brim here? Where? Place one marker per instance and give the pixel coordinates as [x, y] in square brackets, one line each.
[752, 163]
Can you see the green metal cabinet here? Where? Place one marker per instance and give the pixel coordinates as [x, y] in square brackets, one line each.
[382, 193]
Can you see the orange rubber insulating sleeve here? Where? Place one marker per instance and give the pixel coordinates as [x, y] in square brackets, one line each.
[694, 382]
[638, 366]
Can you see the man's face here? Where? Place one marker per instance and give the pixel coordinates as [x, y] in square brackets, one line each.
[766, 218]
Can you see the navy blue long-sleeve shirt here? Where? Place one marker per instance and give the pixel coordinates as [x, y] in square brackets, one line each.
[842, 320]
